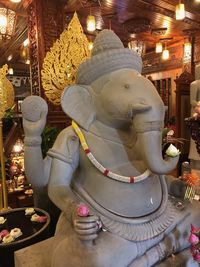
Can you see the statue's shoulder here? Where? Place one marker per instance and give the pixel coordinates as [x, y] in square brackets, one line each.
[66, 145]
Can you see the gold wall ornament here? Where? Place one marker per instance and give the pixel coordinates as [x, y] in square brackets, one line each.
[10, 95]
[3, 94]
[61, 63]
[7, 95]
[3, 106]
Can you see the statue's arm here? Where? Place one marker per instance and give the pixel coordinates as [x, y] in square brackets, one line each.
[34, 112]
[65, 159]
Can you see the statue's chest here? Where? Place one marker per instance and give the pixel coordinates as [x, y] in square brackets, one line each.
[135, 200]
[110, 153]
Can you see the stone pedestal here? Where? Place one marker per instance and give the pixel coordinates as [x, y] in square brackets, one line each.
[41, 253]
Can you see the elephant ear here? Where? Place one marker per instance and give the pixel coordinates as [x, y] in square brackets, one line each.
[76, 102]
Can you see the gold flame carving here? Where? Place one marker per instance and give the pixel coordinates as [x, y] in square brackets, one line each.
[61, 63]
[6, 91]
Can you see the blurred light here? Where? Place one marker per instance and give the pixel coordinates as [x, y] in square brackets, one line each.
[7, 22]
[18, 147]
[165, 54]
[26, 42]
[10, 71]
[187, 52]
[15, 1]
[24, 52]
[91, 23]
[198, 1]
[90, 46]
[180, 11]
[3, 21]
[9, 58]
[27, 61]
[159, 47]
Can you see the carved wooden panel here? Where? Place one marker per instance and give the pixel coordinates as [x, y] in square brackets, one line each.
[45, 23]
[153, 62]
[34, 17]
[183, 108]
[197, 50]
[163, 87]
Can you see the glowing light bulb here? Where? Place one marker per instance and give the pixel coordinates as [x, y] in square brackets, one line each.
[159, 47]
[90, 46]
[3, 21]
[10, 71]
[26, 42]
[15, 1]
[165, 54]
[9, 58]
[180, 11]
[91, 23]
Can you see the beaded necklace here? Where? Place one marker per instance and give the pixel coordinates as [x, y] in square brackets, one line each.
[101, 168]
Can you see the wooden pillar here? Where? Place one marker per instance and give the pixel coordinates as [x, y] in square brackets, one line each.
[183, 108]
[45, 24]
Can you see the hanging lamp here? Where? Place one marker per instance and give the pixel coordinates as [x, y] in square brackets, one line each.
[91, 23]
[180, 11]
[15, 1]
[187, 52]
[165, 53]
[159, 47]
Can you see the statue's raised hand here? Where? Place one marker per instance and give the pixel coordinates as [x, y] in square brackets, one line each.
[34, 111]
[85, 224]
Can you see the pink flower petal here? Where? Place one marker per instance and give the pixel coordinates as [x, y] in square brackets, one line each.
[194, 229]
[82, 210]
[4, 233]
[196, 257]
[42, 219]
[193, 239]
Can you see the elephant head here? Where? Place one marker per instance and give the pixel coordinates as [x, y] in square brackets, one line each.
[111, 89]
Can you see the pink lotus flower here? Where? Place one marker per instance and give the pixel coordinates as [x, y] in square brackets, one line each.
[82, 210]
[193, 239]
[4, 233]
[196, 257]
[42, 219]
[193, 249]
[194, 230]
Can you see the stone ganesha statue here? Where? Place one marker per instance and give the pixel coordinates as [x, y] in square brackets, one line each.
[111, 160]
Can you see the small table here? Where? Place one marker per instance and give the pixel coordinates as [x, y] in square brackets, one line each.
[33, 232]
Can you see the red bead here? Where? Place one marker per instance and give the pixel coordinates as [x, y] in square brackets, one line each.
[132, 179]
[106, 172]
[87, 151]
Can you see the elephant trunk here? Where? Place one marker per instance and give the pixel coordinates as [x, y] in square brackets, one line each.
[151, 147]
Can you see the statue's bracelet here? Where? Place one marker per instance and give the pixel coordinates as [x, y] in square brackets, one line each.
[33, 141]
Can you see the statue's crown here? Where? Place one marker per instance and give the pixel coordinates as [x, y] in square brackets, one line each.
[108, 55]
[106, 40]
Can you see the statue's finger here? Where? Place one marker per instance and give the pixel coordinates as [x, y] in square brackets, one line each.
[85, 225]
[88, 219]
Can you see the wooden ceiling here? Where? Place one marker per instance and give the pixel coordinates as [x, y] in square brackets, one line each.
[140, 19]
[147, 20]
